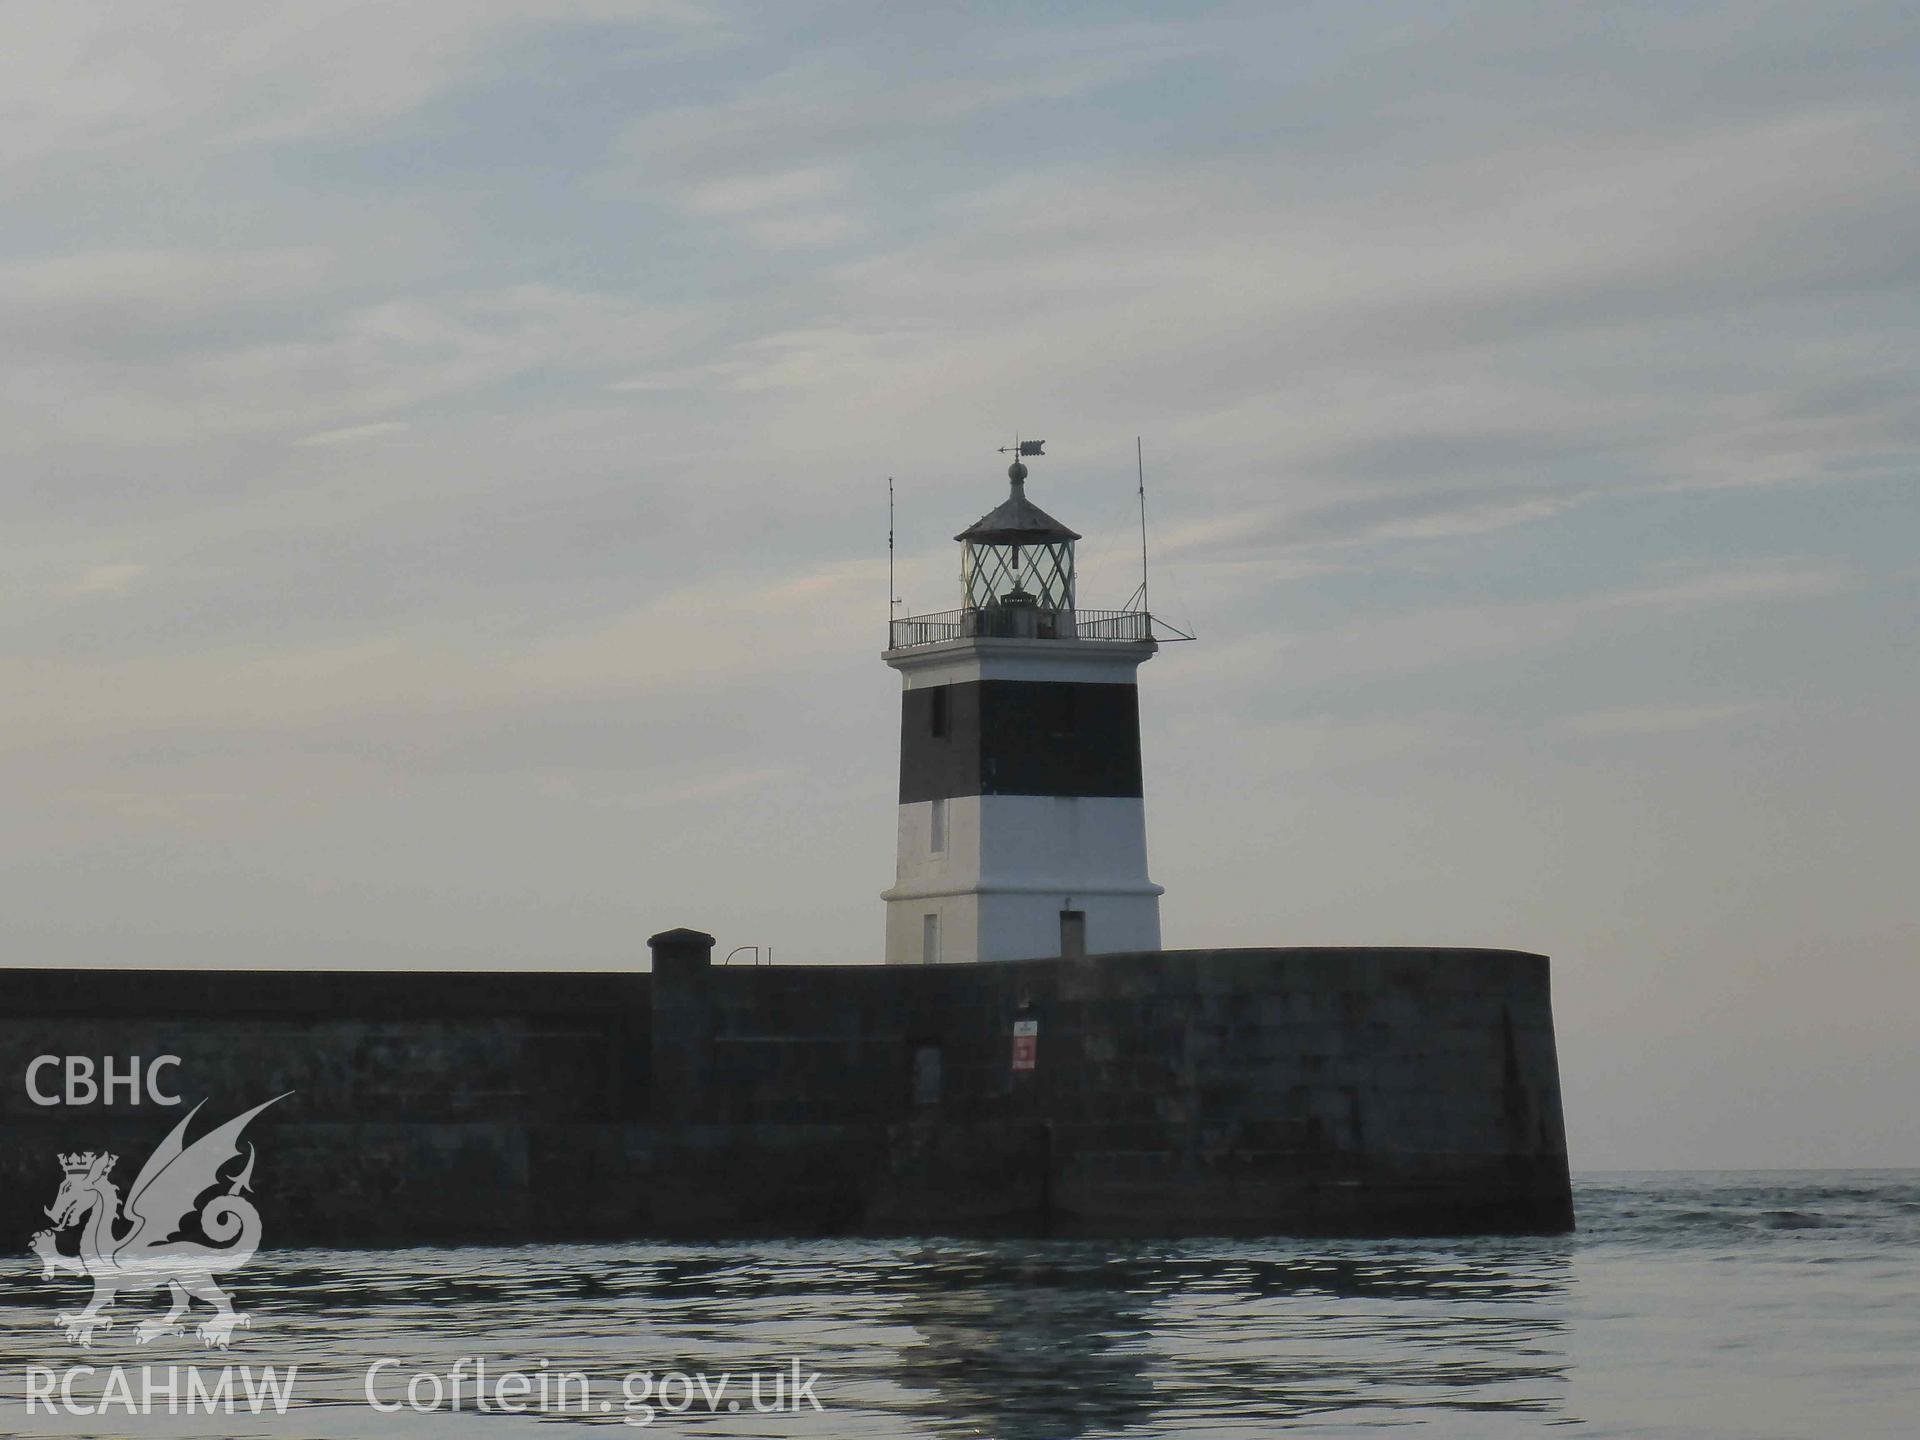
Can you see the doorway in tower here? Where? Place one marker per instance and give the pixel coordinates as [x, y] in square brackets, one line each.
[929, 939]
[1073, 933]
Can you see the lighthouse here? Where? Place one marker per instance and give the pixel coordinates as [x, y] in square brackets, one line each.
[1022, 825]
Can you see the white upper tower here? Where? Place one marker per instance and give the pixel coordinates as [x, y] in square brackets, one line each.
[1022, 825]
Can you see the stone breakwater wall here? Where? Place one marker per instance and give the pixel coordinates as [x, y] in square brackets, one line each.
[1260, 1091]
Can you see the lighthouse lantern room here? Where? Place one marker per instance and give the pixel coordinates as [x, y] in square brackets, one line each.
[1022, 827]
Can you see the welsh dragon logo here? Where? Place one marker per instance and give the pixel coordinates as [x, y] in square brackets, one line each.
[138, 1244]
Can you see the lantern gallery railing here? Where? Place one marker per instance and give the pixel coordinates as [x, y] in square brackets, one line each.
[1025, 622]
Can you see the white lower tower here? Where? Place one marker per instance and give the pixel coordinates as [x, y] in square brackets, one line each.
[1023, 827]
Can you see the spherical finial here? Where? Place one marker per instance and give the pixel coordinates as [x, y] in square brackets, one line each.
[1016, 472]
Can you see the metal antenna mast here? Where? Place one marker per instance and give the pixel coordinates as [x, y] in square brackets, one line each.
[1139, 596]
[893, 600]
[1140, 469]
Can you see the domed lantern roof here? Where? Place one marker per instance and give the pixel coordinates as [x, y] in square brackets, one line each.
[1016, 520]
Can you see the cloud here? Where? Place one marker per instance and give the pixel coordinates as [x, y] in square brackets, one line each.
[795, 232]
[779, 190]
[836, 105]
[350, 433]
[341, 358]
[1723, 587]
[789, 159]
[1527, 300]
[90, 77]
[1384, 517]
[591, 790]
[788, 209]
[156, 298]
[707, 632]
[104, 580]
[1437, 637]
[1656, 719]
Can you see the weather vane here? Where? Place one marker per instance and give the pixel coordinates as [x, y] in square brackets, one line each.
[1023, 447]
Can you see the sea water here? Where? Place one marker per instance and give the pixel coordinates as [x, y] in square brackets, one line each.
[1688, 1305]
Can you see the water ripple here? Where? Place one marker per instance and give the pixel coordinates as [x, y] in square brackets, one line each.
[1050, 1340]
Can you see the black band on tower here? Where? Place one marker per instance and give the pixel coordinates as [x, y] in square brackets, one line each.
[1019, 737]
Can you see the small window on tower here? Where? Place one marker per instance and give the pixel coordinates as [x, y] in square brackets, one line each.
[938, 711]
[937, 827]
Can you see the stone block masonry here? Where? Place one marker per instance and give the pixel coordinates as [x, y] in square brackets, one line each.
[1260, 1091]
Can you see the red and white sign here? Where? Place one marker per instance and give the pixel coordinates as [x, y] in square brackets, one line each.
[1026, 1043]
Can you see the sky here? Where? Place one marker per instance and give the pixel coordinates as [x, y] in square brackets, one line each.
[444, 455]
